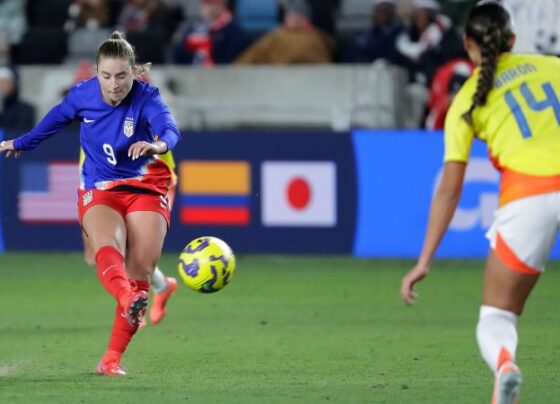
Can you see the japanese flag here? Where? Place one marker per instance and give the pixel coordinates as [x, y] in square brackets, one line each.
[299, 194]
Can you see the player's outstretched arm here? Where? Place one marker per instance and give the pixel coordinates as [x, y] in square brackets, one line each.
[443, 207]
[8, 147]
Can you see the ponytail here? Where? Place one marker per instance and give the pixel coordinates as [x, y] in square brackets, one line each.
[489, 25]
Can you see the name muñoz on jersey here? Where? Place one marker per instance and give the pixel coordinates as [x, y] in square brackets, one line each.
[107, 132]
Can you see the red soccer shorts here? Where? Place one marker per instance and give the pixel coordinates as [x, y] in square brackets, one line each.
[124, 202]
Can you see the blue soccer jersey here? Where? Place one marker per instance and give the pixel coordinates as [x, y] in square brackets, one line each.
[107, 132]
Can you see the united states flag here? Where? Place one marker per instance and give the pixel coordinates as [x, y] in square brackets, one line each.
[48, 192]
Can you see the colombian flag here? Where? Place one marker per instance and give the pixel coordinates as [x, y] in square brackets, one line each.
[214, 192]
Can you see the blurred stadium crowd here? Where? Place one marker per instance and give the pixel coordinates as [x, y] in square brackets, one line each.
[206, 32]
[420, 38]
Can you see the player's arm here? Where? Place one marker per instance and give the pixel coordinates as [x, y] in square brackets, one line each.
[443, 207]
[8, 147]
[51, 124]
[55, 120]
[458, 141]
[160, 119]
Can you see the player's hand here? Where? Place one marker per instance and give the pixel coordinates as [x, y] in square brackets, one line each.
[8, 147]
[416, 274]
[143, 148]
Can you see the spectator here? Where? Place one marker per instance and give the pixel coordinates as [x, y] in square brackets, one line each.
[149, 25]
[87, 26]
[379, 40]
[296, 41]
[13, 24]
[447, 81]
[457, 10]
[140, 15]
[420, 45]
[429, 42]
[323, 13]
[15, 114]
[90, 14]
[214, 39]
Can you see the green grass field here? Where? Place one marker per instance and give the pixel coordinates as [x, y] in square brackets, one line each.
[286, 330]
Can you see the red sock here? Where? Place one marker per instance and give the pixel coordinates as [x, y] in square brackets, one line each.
[122, 332]
[111, 356]
[137, 285]
[111, 273]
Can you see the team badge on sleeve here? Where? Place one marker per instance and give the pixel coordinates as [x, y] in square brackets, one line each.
[128, 127]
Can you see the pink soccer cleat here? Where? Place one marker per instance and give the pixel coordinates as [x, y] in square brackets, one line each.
[110, 369]
[135, 307]
[110, 366]
[507, 384]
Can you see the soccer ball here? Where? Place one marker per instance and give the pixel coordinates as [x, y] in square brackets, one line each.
[206, 264]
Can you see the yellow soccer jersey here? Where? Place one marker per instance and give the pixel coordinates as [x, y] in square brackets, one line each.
[520, 121]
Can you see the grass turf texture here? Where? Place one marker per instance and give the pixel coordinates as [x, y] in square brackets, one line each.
[287, 329]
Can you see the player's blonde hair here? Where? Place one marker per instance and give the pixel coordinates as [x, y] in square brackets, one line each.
[116, 46]
[489, 25]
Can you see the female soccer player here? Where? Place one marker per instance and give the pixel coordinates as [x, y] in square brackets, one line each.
[122, 200]
[512, 103]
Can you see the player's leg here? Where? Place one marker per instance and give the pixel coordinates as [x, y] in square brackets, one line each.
[106, 231]
[163, 287]
[147, 223]
[102, 218]
[159, 284]
[505, 294]
[521, 238]
[89, 253]
[146, 232]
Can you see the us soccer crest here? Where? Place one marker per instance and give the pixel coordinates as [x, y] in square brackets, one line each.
[128, 127]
